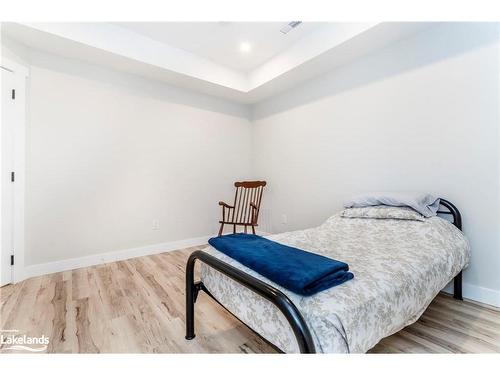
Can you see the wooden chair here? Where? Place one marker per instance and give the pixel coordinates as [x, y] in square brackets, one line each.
[245, 209]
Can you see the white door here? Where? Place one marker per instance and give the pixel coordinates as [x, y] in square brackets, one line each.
[7, 184]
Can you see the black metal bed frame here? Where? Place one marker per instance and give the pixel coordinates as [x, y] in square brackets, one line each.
[273, 295]
[457, 221]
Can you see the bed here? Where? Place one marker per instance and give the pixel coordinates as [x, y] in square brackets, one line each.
[399, 267]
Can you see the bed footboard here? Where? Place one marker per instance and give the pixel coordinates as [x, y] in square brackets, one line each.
[273, 295]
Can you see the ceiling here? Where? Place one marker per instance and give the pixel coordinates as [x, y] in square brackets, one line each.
[206, 57]
[220, 41]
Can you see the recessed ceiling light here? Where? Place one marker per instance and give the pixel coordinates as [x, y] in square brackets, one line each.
[245, 47]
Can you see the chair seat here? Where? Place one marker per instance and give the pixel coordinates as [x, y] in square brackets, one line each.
[236, 223]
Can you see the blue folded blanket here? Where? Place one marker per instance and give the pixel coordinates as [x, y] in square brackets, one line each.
[294, 269]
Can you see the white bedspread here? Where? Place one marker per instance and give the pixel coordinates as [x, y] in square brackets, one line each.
[399, 267]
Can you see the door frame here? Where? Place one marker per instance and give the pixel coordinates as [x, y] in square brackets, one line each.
[21, 74]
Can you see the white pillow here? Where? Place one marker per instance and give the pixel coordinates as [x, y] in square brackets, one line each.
[382, 212]
[424, 203]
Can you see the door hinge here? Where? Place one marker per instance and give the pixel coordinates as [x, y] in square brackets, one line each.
[13, 94]
[12, 176]
[12, 260]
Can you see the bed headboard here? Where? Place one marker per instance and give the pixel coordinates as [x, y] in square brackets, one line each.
[452, 210]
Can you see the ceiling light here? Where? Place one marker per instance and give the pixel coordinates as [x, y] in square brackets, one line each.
[245, 47]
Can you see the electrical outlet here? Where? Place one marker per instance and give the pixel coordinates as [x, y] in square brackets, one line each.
[284, 219]
[156, 224]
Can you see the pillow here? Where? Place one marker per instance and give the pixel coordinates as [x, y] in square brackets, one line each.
[382, 212]
[426, 204]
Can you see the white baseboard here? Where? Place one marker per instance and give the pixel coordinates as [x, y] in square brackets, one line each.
[477, 293]
[113, 256]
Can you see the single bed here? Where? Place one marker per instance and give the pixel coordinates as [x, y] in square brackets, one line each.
[399, 267]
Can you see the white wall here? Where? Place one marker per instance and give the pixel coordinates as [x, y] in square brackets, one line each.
[109, 153]
[419, 115]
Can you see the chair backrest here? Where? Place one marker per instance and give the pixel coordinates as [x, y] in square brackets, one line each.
[247, 192]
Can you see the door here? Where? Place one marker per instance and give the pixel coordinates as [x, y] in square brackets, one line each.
[8, 110]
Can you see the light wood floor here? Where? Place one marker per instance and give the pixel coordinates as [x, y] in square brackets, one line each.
[137, 306]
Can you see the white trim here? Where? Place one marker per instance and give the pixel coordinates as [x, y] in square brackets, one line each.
[21, 73]
[20, 178]
[113, 256]
[477, 293]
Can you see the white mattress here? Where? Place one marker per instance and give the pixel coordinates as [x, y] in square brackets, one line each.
[399, 267]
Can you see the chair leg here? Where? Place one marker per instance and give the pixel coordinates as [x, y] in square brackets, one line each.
[221, 229]
[253, 229]
[245, 229]
[234, 228]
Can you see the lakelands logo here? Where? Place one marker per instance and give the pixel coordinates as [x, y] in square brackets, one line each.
[10, 339]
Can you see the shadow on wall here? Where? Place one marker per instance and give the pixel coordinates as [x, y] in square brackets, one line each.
[135, 84]
[439, 42]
